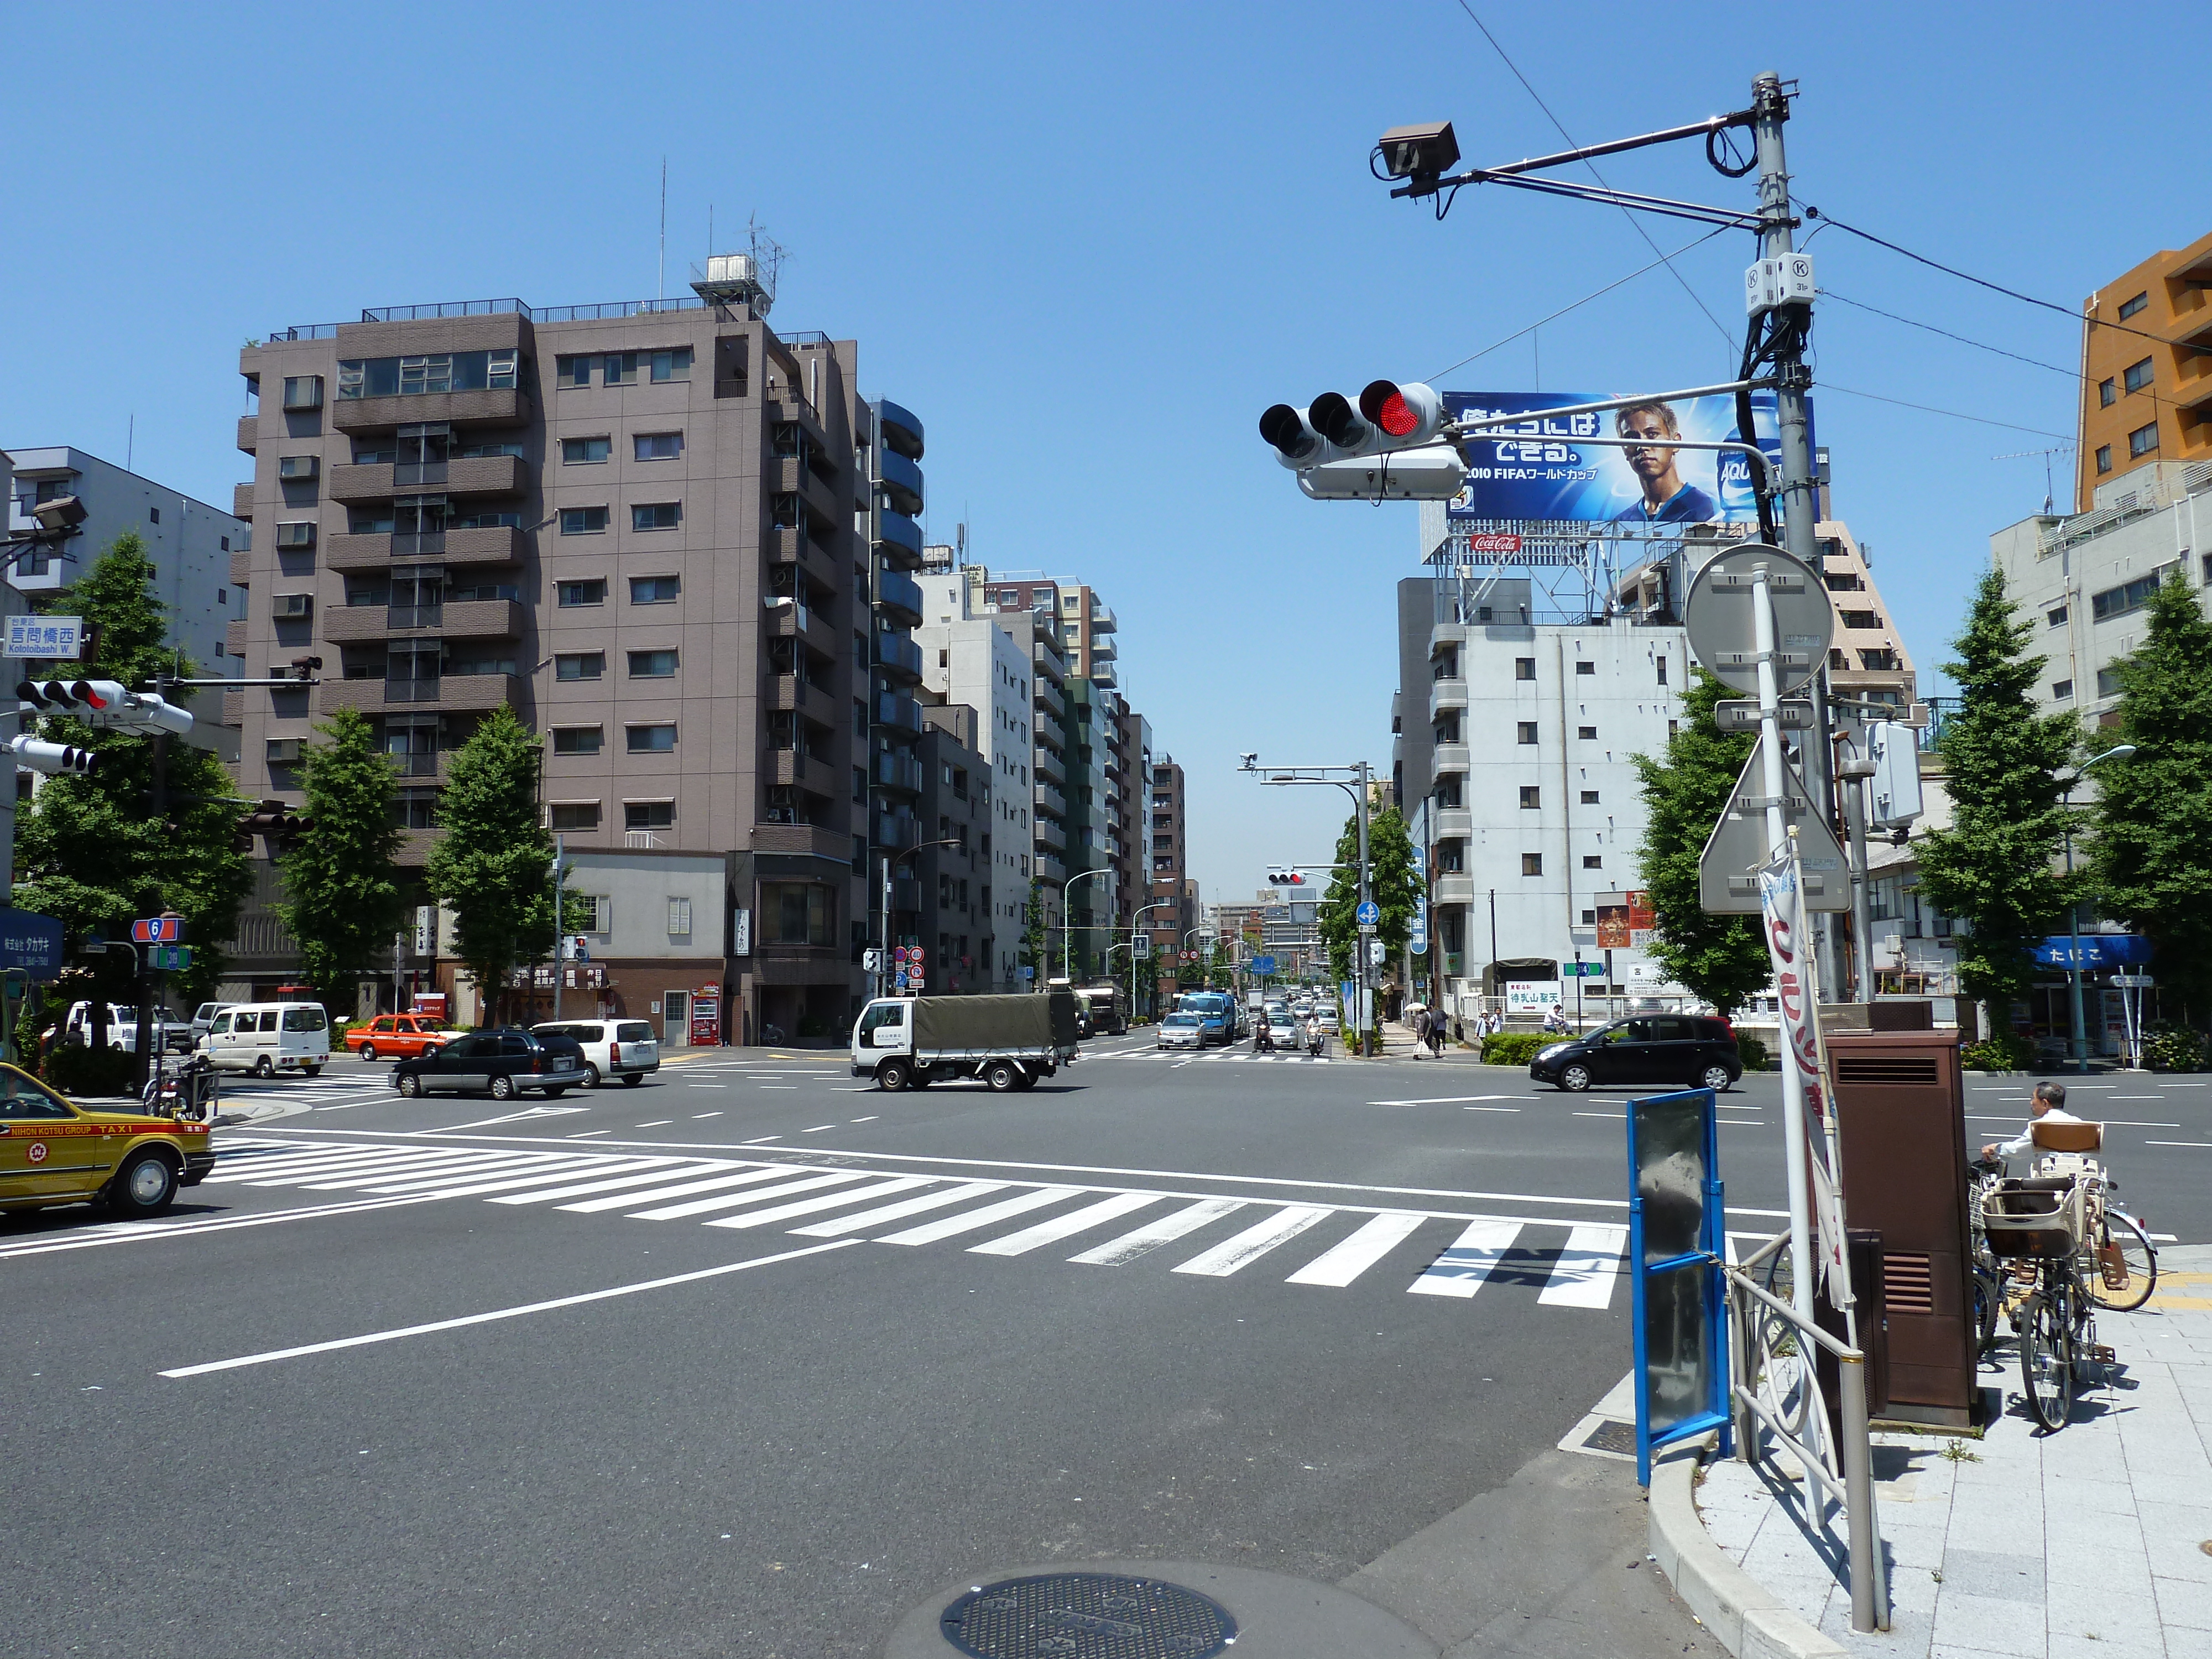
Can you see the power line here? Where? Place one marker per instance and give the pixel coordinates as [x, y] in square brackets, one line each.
[1930, 409]
[2036, 362]
[1634, 222]
[1585, 299]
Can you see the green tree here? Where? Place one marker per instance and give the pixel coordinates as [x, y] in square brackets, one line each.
[1993, 868]
[492, 865]
[1720, 958]
[91, 851]
[2152, 863]
[1391, 883]
[1031, 954]
[341, 887]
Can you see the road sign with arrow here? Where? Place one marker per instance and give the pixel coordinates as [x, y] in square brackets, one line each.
[1728, 870]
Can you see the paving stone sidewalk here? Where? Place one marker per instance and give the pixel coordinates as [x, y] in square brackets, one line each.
[2092, 1543]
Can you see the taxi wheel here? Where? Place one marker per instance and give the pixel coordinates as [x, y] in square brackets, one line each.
[368, 1052]
[143, 1187]
[591, 1075]
[410, 1086]
[502, 1088]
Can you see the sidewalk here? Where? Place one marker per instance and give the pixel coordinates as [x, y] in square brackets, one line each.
[2096, 1540]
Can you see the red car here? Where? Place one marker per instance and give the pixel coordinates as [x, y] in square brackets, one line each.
[398, 1036]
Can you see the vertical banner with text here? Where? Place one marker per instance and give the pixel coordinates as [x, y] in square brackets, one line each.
[1788, 938]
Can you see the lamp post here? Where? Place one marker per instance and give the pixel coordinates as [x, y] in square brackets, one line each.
[2078, 1036]
[1156, 904]
[1355, 783]
[891, 862]
[1066, 929]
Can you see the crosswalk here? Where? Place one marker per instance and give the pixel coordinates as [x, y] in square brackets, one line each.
[1576, 1264]
[1211, 1056]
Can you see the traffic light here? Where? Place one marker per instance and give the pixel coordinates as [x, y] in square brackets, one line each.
[106, 703]
[1389, 417]
[1280, 875]
[53, 757]
[276, 821]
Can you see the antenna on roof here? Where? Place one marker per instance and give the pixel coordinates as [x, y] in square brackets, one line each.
[2050, 493]
[747, 277]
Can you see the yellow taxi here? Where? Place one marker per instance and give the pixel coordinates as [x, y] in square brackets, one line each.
[54, 1152]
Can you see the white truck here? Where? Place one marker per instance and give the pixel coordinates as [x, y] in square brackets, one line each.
[123, 1028]
[1006, 1042]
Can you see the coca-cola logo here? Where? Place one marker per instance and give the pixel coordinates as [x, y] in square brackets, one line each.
[1494, 542]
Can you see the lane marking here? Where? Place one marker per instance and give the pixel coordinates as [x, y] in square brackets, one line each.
[1584, 1274]
[1254, 1242]
[868, 1219]
[1350, 1257]
[870, 1119]
[2177, 1143]
[273, 1355]
[586, 1135]
[733, 1200]
[132, 1232]
[696, 1117]
[760, 1140]
[1064, 1226]
[1465, 1265]
[1449, 1100]
[819, 1128]
[658, 1123]
[2116, 1122]
[816, 1206]
[951, 1227]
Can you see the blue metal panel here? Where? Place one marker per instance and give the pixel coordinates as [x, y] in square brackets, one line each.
[1656, 1174]
[902, 431]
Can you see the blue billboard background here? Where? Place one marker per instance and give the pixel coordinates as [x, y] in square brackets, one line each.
[1536, 470]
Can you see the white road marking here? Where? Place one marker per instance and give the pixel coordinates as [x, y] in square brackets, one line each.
[870, 1119]
[1254, 1242]
[2177, 1143]
[605, 1184]
[153, 1232]
[779, 1085]
[686, 1189]
[2114, 1122]
[529, 1163]
[586, 1135]
[760, 1141]
[818, 1128]
[1446, 1100]
[1465, 1263]
[868, 1219]
[1350, 1257]
[274, 1354]
[1587, 1268]
[1065, 1226]
[730, 1201]
[658, 1123]
[696, 1117]
[816, 1206]
[549, 1175]
[929, 1232]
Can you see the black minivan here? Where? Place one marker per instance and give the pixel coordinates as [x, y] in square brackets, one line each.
[1694, 1051]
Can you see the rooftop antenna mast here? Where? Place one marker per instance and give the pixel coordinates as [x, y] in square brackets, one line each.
[2049, 489]
[747, 278]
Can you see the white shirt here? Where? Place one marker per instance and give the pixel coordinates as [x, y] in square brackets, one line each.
[2056, 1115]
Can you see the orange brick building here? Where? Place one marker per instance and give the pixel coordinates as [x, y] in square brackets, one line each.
[2146, 367]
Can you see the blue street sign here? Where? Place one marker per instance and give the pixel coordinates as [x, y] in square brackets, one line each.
[1025, 973]
[31, 942]
[1369, 914]
[1582, 969]
[1263, 965]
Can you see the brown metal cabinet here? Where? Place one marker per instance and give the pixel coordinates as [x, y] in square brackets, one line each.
[1900, 1113]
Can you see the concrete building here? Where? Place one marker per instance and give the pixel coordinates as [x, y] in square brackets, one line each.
[957, 895]
[2146, 369]
[190, 544]
[889, 775]
[1167, 817]
[642, 526]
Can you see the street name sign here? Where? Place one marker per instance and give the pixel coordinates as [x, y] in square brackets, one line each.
[1727, 878]
[1722, 631]
[45, 638]
[31, 942]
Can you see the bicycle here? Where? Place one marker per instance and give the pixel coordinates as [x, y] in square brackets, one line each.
[2043, 1220]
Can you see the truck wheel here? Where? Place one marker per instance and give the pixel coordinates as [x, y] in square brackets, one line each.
[631, 1079]
[893, 1076]
[1003, 1075]
[1029, 1079]
[143, 1187]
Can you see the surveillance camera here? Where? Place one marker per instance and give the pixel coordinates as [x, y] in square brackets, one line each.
[1420, 151]
[1248, 761]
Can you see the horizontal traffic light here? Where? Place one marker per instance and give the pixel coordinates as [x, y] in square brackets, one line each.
[106, 703]
[53, 758]
[1388, 415]
[275, 820]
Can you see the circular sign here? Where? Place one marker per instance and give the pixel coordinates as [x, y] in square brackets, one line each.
[1369, 914]
[1722, 626]
[36, 1152]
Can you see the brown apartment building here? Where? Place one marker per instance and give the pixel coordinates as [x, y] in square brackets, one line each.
[644, 529]
[2146, 368]
[1169, 880]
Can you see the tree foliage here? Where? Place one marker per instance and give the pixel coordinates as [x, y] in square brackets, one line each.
[1720, 958]
[341, 887]
[1993, 869]
[1392, 883]
[493, 867]
[91, 851]
[2152, 864]
[1031, 954]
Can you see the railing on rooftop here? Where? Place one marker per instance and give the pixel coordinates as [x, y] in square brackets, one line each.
[304, 331]
[613, 309]
[444, 308]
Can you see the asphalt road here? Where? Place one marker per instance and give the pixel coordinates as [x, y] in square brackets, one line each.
[696, 1368]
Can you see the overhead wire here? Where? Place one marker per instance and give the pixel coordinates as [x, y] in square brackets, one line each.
[2034, 362]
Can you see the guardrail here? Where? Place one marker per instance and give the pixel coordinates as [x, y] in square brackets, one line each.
[1776, 1390]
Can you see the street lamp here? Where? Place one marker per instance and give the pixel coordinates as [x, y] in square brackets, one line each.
[890, 863]
[1066, 928]
[1355, 782]
[2078, 1037]
[1156, 904]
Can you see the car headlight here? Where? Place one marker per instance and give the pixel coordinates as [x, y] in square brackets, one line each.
[1555, 1051]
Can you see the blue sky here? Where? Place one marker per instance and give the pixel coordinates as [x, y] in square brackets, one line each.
[1087, 245]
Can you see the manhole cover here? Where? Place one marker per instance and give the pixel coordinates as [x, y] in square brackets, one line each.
[1612, 1437]
[1087, 1615]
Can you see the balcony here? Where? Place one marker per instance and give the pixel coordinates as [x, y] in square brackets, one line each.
[1101, 618]
[483, 474]
[1046, 694]
[460, 619]
[902, 483]
[800, 770]
[1046, 764]
[790, 621]
[817, 839]
[899, 597]
[1049, 800]
[1103, 673]
[1049, 835]
[1455, 887]
[509, 407]
[1049, 868]
[241, 567]
[242, 500]
[788, 692]
[896, 833]
[249, 432]
[790, 475]
[897, 768]
[234, 637]
[1448, 758]
[1102, 648]
[902, 432]
[499, 545]
[458, 693]
[899, 658]
[1045, 657]
[1446, 696]
[901, 713]
[1451, 823]
[898, 540]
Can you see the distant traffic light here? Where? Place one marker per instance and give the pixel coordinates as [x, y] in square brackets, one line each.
[1280, 875]
[108, 703]
[276, 821]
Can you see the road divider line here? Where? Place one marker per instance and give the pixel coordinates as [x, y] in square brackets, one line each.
[1446, 1100]
[274, 1355]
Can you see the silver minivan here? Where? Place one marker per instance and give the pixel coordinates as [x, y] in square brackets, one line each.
[613, 1048]
[268, 1037]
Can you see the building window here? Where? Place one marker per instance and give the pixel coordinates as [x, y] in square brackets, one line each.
[583, 521]
[1592, 861]
[657, 445]
[2062, 690]
[305, 391]
[579, 665]
[618, 368]
[2056, 617]
[1862, 620]
[2142, 439]
[1532, 798]
[2129, 308]
[154, 515]
[1524, 668]
[656, 515]
[655, 590]
[1527, 731]
[1661, 664]
[585, 451]
[571, 594]
[1589, 796]
[651, 739]
[433, 372]
[577, 815]
[297, 534]
[651, 664]
[1532, 863]
[2136, 376]
[2108, 683]
[2107, 393]
[679, 918]
[1585, 666]
[1883, 660]
[2129, 596]
[1586, 734]
[2104, 458]
[573, 371]
[672, 365]
[414, 809]
[648, 815]
[797, 913]
[578, 740]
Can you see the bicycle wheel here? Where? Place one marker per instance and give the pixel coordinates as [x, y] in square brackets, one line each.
[2046, 1357]
[2127, 1250]
[1989, 1301]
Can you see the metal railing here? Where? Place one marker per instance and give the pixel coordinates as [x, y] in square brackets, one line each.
[444, 308]
[1777, 1389]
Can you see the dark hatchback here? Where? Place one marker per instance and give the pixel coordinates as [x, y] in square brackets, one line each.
[500, 1063]
[1686, 1050]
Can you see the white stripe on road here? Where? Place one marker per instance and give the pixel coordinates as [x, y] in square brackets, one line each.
[547, 1174]
[898, 1212]
[1465, 1263]
[1587, 1268]
[274, 1354]
[352, 1175]
[1446, 1100]
[622, 1200]
[726, 1201]
[1118, 1252]
[151, 1232]
[1254, 1242]
[1066, 1226]
[816, 1206]
[1345, 1262]
[950, 1226]
[512, 1163]
[606, 1185]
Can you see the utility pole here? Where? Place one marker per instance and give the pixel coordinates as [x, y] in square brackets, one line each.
[560, 917]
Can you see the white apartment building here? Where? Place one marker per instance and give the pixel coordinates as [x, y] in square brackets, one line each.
[2083, 578]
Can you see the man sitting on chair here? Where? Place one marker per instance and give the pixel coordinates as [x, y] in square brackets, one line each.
[2048, 1105]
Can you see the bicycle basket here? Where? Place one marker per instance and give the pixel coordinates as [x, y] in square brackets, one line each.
[2039, 1219]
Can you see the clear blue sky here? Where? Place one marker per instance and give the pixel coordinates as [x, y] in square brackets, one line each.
[1087, 245]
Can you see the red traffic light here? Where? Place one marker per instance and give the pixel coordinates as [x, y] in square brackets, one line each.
[1412, 411]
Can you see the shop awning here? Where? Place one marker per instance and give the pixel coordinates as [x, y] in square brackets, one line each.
[2098, 951]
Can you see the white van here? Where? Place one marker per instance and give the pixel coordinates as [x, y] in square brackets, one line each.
[268, 1037]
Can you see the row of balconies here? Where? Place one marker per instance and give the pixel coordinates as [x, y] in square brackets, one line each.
[485, 474]
[459, 619]
[456, 693]
[1049, 800]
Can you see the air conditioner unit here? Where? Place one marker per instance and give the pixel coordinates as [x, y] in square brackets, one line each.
[299, 534]
[295, 469]
[292, 607]
[283, 752]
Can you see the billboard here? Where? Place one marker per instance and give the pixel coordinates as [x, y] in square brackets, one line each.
[1535, 469]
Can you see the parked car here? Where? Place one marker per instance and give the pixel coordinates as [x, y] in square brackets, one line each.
[54, 1151]
[123, 1027]
[1181, 1031]
[500, 1063]
[1677, 1049]
[398, 1036]
[623, 1049]
[268, 1037]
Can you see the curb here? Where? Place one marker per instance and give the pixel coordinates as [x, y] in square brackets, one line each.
[1751, 1621]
